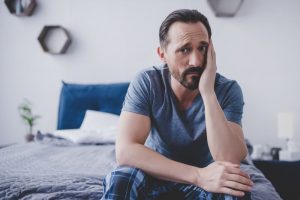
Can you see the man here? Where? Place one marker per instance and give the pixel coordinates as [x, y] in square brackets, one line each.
[180, 126]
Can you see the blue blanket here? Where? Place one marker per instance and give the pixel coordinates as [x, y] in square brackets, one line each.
[53, 168]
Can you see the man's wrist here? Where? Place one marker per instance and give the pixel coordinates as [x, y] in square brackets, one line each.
[208, 96]
[194, 178]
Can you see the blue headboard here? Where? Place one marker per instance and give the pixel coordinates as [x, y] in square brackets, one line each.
[75, 99]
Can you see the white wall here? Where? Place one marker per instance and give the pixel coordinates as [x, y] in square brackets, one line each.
[114, 39]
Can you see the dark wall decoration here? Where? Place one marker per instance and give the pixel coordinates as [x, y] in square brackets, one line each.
[54, 39]
[20, 7]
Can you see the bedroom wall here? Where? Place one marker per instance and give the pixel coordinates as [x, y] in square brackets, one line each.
[112, 40]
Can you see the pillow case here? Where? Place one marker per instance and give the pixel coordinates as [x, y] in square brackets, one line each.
[97, 127]
[97, 121]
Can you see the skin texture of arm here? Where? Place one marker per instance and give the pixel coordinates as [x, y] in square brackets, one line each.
[228, 146]
[130, 151]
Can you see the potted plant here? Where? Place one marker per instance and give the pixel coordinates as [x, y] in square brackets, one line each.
[25, 111]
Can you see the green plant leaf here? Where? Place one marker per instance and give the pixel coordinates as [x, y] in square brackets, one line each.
[25, 111]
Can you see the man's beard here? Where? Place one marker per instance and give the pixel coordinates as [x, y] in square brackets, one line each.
[189, 83]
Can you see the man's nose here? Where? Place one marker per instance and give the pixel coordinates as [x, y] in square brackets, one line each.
[195, 59]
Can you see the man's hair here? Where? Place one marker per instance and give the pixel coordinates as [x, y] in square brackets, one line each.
[182, 15]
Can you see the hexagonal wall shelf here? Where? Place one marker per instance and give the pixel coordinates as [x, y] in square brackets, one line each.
[225, 8]
[54, 39]
[20, 7]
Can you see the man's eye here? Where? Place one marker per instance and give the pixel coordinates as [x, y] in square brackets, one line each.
[203, 48]
[184, 50]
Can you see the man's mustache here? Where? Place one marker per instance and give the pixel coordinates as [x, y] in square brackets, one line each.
[192, 70]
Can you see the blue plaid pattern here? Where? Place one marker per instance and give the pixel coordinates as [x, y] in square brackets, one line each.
[128, 183]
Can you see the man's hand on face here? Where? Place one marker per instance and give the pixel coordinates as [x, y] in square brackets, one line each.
[207, 80]
[224, 177]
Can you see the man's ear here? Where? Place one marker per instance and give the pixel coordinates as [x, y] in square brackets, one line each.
[161, 54]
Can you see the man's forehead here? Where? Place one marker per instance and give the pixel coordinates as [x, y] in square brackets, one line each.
[180, 31]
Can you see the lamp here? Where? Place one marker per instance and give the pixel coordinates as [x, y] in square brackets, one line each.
[285, 128]
[285, 122]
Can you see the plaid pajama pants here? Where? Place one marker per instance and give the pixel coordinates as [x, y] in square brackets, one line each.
[128, 183]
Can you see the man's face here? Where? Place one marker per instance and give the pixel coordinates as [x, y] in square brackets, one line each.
[185, 53]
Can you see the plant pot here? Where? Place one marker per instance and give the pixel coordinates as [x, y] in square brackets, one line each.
[29, 137]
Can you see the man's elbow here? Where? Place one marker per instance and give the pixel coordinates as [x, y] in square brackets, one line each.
[125, 154]
[240, 157]
[242, 154]
[121, 156]
[235, 157]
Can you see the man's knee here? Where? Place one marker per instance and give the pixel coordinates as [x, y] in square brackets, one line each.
[123, 181]
[125, 174]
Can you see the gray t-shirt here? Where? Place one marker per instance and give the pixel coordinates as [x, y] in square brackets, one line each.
[179, 135]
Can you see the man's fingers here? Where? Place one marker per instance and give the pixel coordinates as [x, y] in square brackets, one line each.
[212, 49]
[208, 56]
[232, 168]
[238, 171]
[239, 179]
[228, 179]
[232, 192]
[237, 186]
[234, 173]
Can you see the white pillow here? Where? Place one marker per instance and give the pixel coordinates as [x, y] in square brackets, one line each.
[79, 136]
[96, 127]
[95, 121]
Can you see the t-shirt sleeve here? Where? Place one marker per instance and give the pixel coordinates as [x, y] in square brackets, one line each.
[233, 103]
[137, 99]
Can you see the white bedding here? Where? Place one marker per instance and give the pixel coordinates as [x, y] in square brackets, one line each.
[96, 127]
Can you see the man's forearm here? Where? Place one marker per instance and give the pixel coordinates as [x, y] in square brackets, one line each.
[224, 144]
[155, 164]
[213, 178]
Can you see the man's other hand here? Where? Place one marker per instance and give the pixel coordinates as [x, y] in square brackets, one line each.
[224, 177]
[207, 80]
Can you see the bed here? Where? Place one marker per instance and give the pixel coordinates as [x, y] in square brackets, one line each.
[55, 167]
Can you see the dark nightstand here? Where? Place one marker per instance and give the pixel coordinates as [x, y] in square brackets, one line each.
[284, 175]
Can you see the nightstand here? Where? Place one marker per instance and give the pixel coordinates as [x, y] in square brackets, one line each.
[284, 175]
